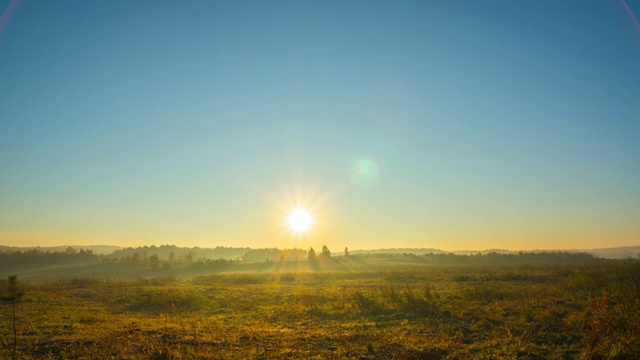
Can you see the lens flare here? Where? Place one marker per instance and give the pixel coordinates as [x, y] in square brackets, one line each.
[364, 173]
[7, 14]
[633, 17]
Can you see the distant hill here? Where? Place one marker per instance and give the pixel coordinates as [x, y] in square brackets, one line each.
[163, 251]
[623, 252]
[417, 251]
[96, 249]
[49, 263]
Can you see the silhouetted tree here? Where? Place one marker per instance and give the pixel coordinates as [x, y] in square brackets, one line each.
[154, 261]
[11, 295]
[190, 258]
[136, 259]
[326, 254]
[311, 255]
[346, 251]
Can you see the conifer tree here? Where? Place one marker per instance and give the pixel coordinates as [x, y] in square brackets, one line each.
[311, 256]
[326, 254]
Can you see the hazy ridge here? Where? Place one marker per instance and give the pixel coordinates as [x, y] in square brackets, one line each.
[222, 252]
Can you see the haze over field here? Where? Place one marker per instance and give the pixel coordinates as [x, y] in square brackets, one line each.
[368, 124]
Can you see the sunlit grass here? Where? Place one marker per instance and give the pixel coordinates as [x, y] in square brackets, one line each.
[440, 312]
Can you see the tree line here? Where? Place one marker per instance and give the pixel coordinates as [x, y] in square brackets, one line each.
[168, 256]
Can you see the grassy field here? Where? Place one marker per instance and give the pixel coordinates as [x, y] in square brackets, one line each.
[387, 312]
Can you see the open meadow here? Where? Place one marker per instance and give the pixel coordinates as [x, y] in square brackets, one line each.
[319, 179]
[390, 309]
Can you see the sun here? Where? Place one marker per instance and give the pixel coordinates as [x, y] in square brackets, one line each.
[299, 220]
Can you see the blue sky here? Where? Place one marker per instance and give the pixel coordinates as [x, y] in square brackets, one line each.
[498, 124]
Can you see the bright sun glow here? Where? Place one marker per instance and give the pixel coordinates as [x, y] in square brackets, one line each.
[299, 221]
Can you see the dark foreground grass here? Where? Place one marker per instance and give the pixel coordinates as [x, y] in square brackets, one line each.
[561, 312]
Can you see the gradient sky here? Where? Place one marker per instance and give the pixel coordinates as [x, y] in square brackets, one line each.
[444, 124]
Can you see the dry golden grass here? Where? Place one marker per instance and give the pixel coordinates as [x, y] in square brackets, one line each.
[563, 312]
